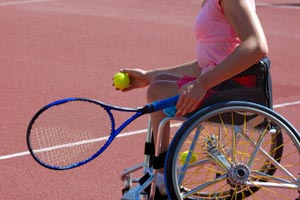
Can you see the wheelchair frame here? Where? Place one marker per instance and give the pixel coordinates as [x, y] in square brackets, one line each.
[148, 180]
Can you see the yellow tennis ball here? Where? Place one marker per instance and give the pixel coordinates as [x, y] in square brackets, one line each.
[121, 80]
[184, 155]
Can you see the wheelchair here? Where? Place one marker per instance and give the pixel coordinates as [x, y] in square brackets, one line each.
[235, 147]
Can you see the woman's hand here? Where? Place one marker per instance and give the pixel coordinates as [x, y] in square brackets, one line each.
[191, 94]
[138, 78]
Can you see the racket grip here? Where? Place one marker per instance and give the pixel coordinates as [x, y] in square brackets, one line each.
[165, 103]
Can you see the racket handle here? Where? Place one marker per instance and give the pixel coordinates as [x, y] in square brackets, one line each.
[165, 103]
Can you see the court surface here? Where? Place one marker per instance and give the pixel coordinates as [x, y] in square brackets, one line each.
[51, 49]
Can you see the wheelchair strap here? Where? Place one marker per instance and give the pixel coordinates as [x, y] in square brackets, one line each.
[144, 178]
[149, 149]
[158, 162]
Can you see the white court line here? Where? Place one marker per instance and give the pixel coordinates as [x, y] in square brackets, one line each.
[9, 3]
[131, 133]
[274, 5]
[75, 143]
[286, 104]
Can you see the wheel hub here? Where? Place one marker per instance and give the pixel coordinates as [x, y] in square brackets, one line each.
[238, 175]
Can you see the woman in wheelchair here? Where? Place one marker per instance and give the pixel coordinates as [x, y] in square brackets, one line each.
[230, 39]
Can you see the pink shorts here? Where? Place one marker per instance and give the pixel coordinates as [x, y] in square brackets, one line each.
[246, 81]
[185, 80]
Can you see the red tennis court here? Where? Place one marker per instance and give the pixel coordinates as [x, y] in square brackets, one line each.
[52, 49]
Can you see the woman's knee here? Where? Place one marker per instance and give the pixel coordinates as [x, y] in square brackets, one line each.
[161, 89]
[155, 90]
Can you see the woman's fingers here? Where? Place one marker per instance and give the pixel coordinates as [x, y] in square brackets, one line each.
[191, 95]
[185, 105]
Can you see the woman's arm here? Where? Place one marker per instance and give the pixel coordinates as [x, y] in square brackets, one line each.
[243, 19]
[142, 78]
[189, 69]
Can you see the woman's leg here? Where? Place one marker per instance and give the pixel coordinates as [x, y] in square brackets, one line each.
[163, 86]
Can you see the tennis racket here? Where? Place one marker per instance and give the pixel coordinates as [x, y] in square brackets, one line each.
[71, 132]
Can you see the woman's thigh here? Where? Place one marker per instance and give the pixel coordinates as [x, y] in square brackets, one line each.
[163, 86]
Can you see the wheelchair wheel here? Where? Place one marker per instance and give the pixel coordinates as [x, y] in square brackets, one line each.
[234, 150]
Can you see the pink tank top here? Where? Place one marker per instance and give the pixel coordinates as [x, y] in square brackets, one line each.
[215, 37]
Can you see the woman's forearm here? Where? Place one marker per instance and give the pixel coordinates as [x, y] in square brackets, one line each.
[188, 69]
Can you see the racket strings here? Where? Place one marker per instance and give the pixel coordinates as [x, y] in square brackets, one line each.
[52, 142]
[69, 133]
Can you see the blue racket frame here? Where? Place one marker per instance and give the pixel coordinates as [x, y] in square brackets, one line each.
[139, 111]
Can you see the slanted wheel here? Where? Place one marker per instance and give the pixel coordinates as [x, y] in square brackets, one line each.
[236, 150]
